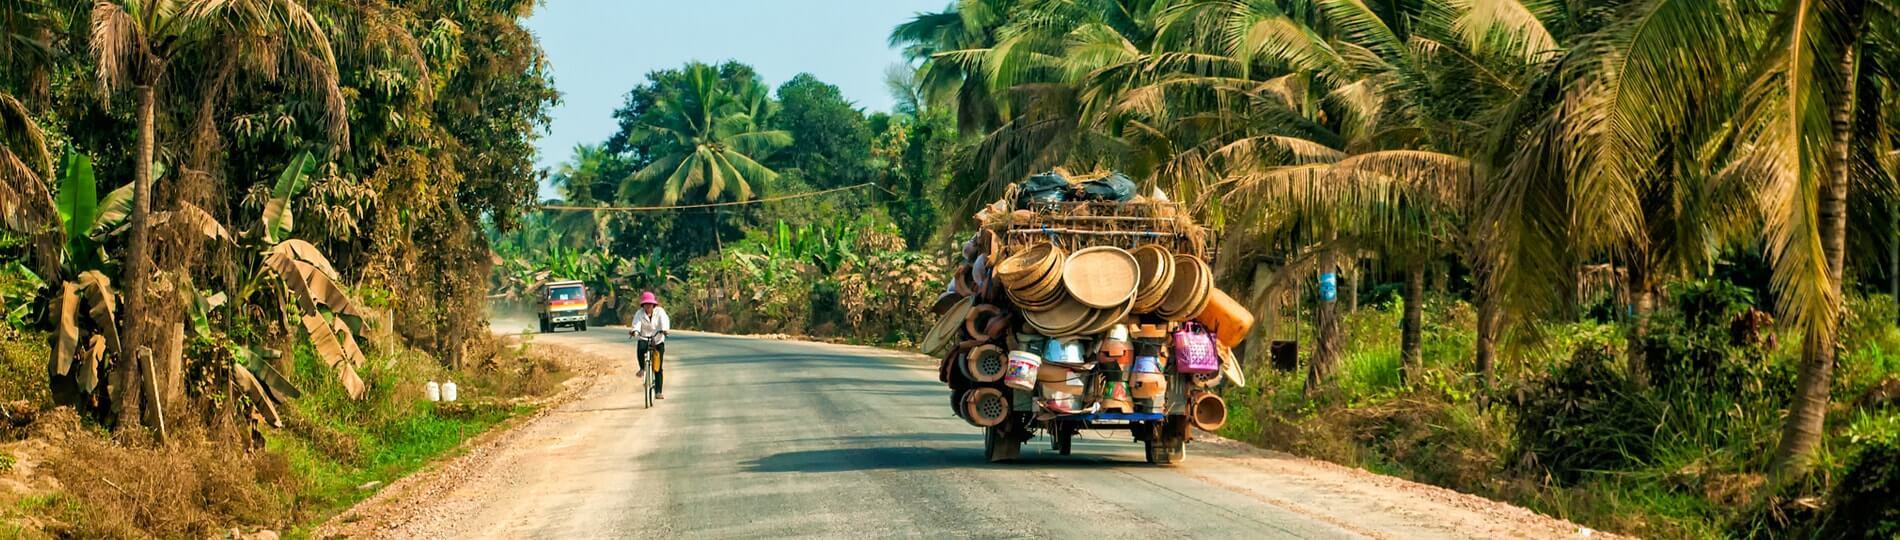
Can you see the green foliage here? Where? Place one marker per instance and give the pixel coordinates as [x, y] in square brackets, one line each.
[831, 144]
[19, 286]
[277, 222]
[708, 138]
[23, 367]
[1585, 418]
[1866, 500]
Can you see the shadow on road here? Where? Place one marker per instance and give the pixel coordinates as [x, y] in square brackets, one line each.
[901, 458]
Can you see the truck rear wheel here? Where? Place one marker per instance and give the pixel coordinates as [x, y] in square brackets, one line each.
[545, 327]
[1171, 451]
[1064, 439]
[1000, 445]
[1167, 444]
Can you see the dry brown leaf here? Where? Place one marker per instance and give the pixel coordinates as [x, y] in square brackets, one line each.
[347, 338]
[324, 339]
[197, 218]
[248, 383]
[89, 361]
[68, 343]
[103, 305]
[351, 382]
[294, 249]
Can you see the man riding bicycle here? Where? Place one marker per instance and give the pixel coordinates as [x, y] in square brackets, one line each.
[650, 325]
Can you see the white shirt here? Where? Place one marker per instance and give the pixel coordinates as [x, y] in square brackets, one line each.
[649, 328]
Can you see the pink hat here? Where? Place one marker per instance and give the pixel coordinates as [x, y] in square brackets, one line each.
[648, 298]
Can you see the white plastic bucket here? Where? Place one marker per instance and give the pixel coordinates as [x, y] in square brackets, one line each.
[1023, 366]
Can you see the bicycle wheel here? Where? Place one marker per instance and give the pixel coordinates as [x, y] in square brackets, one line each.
[647, 384]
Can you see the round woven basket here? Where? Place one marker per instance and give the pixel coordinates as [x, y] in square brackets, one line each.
[1101, 277]
[1187, 295]
[1157, 273]
[1028, 266]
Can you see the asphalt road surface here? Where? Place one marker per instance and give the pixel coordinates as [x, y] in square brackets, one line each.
[775, 439]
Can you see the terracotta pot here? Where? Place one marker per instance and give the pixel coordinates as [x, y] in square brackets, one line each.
[976, 324]
[985, 407]
[985, 364]
[1207, 411]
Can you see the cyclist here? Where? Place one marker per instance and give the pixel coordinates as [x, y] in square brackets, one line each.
[650, 325]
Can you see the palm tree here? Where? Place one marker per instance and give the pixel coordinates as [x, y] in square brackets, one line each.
[1357, 125]
[710, 139]
[1650, 140]
[576, 179]
[1803, 116]
[935, 40]
[133, 43]
[26, 168]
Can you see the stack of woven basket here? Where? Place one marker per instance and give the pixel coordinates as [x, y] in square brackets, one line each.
[1046, 320]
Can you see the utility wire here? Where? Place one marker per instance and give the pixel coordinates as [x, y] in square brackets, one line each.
[564, 208]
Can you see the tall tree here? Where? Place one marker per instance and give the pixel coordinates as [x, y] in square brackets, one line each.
[707, 142]
[830, 141]
[133, 44]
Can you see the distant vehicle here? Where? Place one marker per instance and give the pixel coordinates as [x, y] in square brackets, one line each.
[563, 303]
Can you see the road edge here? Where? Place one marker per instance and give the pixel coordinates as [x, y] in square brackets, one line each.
[438, 476]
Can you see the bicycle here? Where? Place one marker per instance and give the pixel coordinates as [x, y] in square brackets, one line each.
[653, 369]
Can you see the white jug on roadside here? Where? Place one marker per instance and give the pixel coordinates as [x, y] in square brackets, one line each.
[448, 391]
[433, 391]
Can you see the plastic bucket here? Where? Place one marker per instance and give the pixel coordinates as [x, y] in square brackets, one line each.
[1023, 366]
[1146, 364]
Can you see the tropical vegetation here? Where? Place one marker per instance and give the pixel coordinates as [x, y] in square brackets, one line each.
[1565, 168]
[235, 222]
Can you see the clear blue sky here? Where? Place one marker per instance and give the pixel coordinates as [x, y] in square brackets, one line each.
[601, 48]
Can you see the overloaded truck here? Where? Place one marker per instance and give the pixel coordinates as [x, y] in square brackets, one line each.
[1081, 305]
[563, 303]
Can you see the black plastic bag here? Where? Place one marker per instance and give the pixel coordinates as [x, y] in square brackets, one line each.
[1116, 187]
[1049, 187]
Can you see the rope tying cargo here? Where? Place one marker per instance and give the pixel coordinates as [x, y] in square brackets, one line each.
[565, 208]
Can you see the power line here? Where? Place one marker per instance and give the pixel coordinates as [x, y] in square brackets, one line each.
[562, 208]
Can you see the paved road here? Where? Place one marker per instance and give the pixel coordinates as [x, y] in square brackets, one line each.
[775, 439]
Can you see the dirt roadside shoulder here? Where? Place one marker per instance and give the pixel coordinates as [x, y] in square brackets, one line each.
[396, 503]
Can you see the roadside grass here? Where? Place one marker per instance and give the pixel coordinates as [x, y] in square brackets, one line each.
[338, 446]
[1565, 433]
[332, 453]
[23, 357]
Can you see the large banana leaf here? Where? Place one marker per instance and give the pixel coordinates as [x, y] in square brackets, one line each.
[78, 204]
[113, 213]
[277, 221]
[315, 287]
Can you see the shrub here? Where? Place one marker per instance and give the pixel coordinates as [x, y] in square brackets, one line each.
[1585, 417]
[1865, 502]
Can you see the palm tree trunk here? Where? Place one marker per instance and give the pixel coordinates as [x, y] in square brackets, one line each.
[1412, 332]
[1644, 303]
[1486, 347]
[1801, 432]
[1326, 319]
[138, 268]
[1352, 286]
